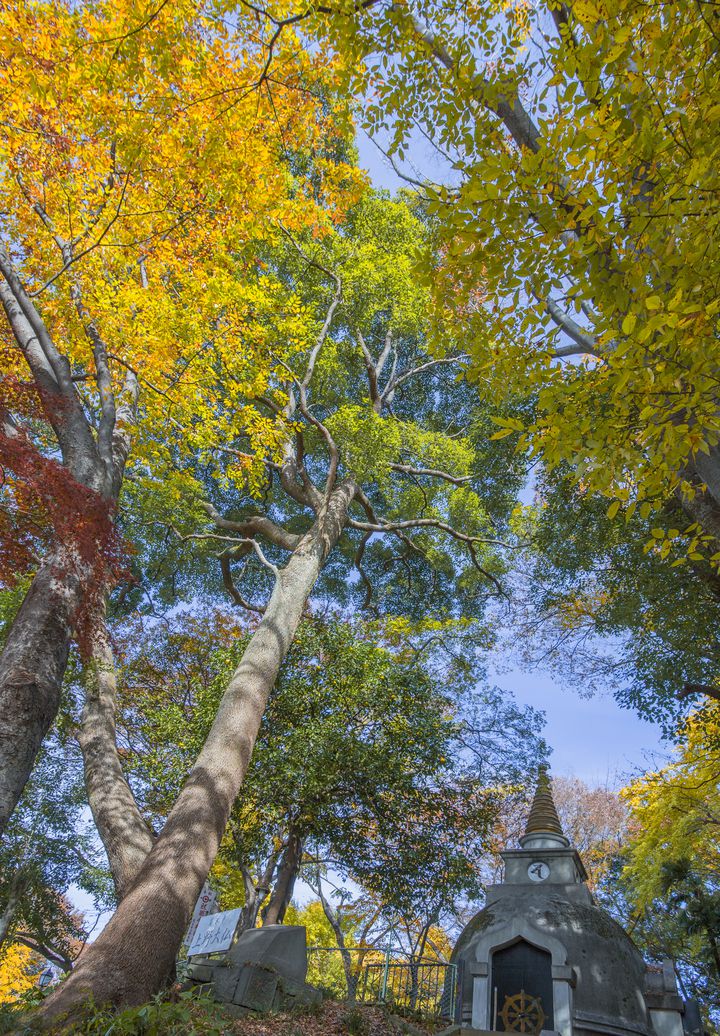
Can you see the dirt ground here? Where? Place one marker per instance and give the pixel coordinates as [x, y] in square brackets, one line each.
[332, 1019]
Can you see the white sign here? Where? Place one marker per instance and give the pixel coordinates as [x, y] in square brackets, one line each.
[206, 904]
[214, 932]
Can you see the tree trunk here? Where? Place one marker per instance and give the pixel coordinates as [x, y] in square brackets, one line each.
[124, 833]
[351, 975]
[13, 904]
[135, 954]
[285, 882]
[32, 667]
[704, 507]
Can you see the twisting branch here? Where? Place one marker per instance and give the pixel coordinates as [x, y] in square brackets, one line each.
[235, 541]
[257, 524]
[225, 558]
[439, 361]
[69, 259]
[357, 562]
[329, 441]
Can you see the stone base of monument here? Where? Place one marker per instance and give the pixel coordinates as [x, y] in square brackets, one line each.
[264, 971]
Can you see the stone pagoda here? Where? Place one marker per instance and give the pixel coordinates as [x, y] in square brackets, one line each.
[542, 957]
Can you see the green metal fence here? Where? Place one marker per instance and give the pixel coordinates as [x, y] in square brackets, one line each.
[423, 986]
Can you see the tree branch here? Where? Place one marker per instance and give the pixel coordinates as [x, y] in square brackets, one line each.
[690, 689]
[50, 953]
[432, 473]
[582, 339]
[225, 558]
[255, 525]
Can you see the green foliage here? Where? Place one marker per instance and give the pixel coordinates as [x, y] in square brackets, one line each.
[607, 613]
[376, 747]
[188, 1015]
[325, 969]
[671, 864]
[580, 219]
[48, 847]
[429, 423]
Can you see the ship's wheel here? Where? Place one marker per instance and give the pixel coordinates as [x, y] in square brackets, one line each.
[522, 1013]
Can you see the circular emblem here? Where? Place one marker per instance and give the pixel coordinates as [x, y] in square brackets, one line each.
[522, 1012]
[538, 871]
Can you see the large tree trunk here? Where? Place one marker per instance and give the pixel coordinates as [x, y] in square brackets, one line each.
[285, 881]
[32, 667]
[124, 833]
[135, 954]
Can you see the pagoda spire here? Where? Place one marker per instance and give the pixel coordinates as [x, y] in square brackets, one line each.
[543, 822]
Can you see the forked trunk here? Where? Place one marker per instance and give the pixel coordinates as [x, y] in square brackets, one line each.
[135, 955]
[124, 833]
[285, 881]
[32, 667]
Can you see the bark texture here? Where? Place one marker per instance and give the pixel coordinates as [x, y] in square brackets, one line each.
[93, 455]
[285, 881]
[12, 905]
[32, 666]
[704, 508]
[124, 833]
[135, 955]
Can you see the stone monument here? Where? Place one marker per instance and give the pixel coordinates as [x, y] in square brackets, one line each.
[264, 970]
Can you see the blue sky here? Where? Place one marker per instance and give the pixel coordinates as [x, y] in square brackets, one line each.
[591, 738]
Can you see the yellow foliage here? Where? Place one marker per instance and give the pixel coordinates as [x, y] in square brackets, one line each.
[675, 811]
[141, 173]
[18, 972]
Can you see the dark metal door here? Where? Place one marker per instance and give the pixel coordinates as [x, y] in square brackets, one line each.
[521, 968]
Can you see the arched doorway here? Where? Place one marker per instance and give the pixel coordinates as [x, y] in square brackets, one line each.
[521, 969]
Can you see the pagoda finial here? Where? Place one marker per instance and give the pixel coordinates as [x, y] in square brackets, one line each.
[543, 818]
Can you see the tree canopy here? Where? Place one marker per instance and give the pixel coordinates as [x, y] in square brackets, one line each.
[285, 458]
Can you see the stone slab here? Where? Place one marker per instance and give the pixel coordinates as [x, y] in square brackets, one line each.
[200, 972]
[280, 947]
[225, 983]
[256, 989]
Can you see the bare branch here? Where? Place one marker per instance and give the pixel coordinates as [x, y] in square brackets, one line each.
[439, 361]
[334, 303]
[433, 473]
[357, 562]
[235, 541]
[310, 494]
[50, 953]
[425, 523]
[584, 342]
[225, 558]
[256, 524]
[68, 258]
